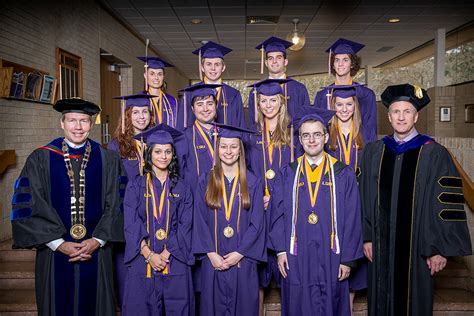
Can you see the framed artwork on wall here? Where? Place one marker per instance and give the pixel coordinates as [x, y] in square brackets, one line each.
[445, 114]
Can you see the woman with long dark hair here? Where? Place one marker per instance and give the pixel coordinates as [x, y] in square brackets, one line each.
[136, 119]
[158, 220]
[229, 230]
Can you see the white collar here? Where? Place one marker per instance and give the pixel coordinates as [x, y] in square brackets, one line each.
[72, 145]
[410, 136]
[311, 161]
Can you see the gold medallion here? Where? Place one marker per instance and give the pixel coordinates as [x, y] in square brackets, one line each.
[160, 234]
[228, 232]
[78, 231]
[312, 218]
[270, 174]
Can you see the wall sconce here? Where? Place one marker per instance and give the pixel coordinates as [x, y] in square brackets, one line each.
[298, 39]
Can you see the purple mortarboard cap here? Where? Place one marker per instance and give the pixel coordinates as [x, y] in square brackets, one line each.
[139, 99]
[229, 131]
[274, 44]
[201, 89]
[312, 113]
[269, 87]
[212, 50]
[343, 91]
[161, 134]
[344, 46]
[155, 62]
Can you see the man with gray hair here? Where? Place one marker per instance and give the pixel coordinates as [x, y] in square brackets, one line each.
[413, 210]
[67, 205]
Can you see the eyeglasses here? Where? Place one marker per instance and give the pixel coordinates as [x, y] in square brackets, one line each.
[308, 136]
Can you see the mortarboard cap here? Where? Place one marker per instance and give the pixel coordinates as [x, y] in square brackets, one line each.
[201, 89]
[344, 46]
[229, 131]
[76, 105]
[343, 91]
[269, 87]
[155, 62]
[312, 113]
[139, 99]
[405, 92]
[212, 50]
[161, 134]
[272, 44]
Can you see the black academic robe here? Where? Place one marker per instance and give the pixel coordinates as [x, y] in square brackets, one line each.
[413, 209]
[42, 213]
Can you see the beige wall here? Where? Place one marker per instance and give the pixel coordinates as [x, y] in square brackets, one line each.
[30, 31]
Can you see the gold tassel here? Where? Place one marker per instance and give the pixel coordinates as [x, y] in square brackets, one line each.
[262, 59]
[418, 91]
[200, 63]
[329, 64]
[255, 103]
[123, 116]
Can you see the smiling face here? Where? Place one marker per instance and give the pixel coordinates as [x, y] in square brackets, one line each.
[229, 150]
[313, 136]
[204, 108]
[276, 63]
[342, 64]
[269, 105]
[155, 77]
[345, 108]
[140, 117]
[161, 156]
[403, 116]
[213, 68]
[76, 126]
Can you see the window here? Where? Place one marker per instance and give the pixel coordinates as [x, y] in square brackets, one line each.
[69, 74]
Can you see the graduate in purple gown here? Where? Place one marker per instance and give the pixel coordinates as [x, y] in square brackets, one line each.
[344, 65]
[230, 108]
[346, 144]
[273, 50]
[163, 105]
[158, 223]
[315, 226]
[229, 231]
[136, 119]
[267, 152]
[200, 135]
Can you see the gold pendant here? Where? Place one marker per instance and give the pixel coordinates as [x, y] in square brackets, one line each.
[78, 231]
[270, 174]
[160, 234]
[228, 232]
[312, 218]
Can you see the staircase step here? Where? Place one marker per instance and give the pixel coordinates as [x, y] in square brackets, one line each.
[454, 276]
[453, 302]
[17, 284]
[17, 255]
[17, 270]
[15, 301]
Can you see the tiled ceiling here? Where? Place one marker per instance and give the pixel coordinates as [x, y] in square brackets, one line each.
[168, 26]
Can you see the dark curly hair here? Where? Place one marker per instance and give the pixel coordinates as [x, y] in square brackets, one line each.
[355, 64]
[173, 167]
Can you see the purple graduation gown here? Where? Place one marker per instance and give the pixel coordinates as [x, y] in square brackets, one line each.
[254, 153]
[232, 114]
[170, 294]
[368, 108]
[312, 287]
[129, 164]
[297, 97]
[233, 291]
[169, 113]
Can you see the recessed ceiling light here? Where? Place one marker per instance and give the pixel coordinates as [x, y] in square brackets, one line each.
[393, 20]
[196, 21]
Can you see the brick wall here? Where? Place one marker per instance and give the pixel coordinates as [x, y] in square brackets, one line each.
[30, 31]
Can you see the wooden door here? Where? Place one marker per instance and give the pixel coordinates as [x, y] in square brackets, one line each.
[109, 87]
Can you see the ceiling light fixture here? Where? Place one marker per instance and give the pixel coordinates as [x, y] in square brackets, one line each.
[196, 21]
[394, 20]
[298, 39]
